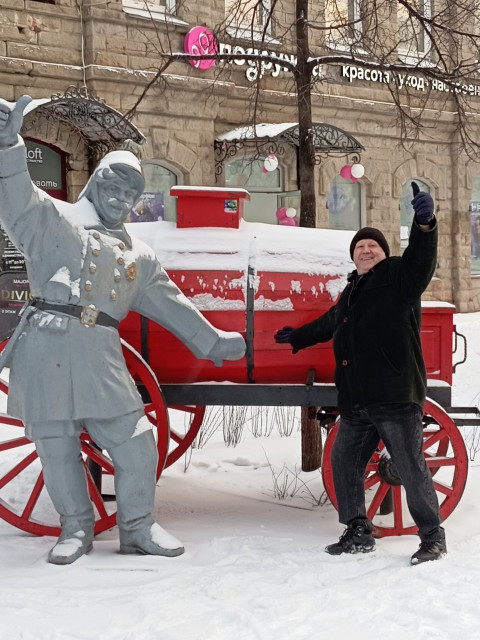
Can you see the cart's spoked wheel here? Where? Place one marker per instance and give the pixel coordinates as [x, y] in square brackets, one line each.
[155, 407]
[185, 423]
[178, 427]
[24, 502]
[446, 458]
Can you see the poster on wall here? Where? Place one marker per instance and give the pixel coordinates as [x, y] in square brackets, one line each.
[46, 166]
[150, 208]
[475, 237]
[14, 289]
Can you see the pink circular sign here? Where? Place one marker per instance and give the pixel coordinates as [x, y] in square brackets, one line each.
[200, 41]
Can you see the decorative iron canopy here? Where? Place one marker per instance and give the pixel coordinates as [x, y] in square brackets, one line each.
[103, 127]
[269, 138]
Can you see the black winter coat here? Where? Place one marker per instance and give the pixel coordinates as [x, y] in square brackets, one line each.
[375, 326]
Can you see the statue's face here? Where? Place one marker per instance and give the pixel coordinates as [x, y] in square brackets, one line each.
[114, 200]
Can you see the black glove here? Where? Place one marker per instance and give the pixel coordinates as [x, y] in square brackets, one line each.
[422, 205]
[282, 336]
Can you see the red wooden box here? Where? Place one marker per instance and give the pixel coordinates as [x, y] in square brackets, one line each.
[209, 206]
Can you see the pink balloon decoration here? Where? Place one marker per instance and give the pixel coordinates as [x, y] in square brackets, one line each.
[288, 222]
[281, 213]
[346, 171]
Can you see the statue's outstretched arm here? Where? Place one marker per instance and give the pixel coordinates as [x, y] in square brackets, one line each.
[11, 119]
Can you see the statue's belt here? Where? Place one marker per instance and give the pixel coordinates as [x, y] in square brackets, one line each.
[89, 316]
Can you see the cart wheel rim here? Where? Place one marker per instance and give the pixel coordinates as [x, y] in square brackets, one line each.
[180, 441]
[446, 457]
[155, 406]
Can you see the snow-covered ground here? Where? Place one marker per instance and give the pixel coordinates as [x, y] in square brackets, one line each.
[254, 567]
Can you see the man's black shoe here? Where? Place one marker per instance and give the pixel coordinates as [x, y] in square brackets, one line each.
[429, 551]
[357, 539]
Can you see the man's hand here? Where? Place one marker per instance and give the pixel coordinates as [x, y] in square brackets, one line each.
[422, 205]
[282, 336]
[11, 119]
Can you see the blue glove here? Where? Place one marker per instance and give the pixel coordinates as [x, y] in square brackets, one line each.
[282, 336]
[422, 205]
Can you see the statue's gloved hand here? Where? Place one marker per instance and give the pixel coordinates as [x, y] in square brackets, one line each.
[229, 346]
[11, 119]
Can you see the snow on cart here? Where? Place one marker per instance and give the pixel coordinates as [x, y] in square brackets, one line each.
[252, 278]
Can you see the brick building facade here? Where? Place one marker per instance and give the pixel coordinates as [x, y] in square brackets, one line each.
[110, 50]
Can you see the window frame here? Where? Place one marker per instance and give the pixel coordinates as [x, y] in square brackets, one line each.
[410, 56]
[146, 9]
[244, 31]
[345, 44]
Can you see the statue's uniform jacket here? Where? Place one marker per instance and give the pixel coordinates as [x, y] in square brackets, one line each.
[60, 368]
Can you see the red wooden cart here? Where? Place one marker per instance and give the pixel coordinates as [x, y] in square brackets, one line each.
[248, 278]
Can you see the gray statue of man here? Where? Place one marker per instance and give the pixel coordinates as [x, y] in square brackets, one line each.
[67, 370]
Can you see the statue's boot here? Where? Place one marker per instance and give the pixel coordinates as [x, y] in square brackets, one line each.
[135, 463]
[66, 483]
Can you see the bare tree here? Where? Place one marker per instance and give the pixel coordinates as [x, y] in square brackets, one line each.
[424, 52]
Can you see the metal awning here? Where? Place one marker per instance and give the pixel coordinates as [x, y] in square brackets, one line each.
[103, 127]
[269, 138]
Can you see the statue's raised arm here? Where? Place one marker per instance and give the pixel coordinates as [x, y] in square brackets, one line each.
[11, 119]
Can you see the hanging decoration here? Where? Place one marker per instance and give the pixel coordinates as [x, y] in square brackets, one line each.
[270, 163]
[287, 216]
[352, 172]
[358, 171]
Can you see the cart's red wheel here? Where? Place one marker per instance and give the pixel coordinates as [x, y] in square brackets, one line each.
[155, 407]
[182, 438]
[24, 502]
[446, 457]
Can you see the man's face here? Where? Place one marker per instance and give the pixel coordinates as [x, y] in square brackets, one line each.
[367, 254]
[114, 200]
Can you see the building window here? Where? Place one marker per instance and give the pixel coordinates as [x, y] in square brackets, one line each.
[406, 209]
[413, 40]
[342, 17]
[156, 202]
[344, 204]
[149, 8]
[264, 188]
[475, 226]
[247, 18]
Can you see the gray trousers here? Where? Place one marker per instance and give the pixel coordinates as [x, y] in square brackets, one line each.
[129, 442]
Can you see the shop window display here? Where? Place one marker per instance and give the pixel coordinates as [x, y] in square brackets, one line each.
[156, 203]
[475, 227]
[344, 204]
[264, 187]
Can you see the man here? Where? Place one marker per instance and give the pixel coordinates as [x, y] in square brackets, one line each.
[67, 370]
[380, 377]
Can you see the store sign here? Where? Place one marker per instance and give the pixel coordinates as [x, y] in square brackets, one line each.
[200, 41]
[270, 61]
[14, 292]
[417, 82]
[44, 165]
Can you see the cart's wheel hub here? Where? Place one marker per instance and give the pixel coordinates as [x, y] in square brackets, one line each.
[388, 472]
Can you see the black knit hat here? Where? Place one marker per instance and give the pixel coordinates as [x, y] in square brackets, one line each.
[372, 234]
